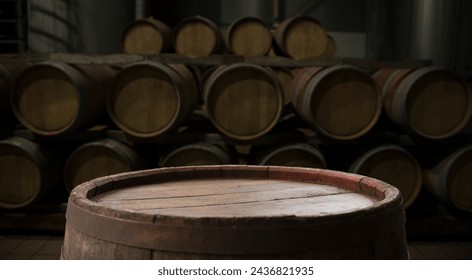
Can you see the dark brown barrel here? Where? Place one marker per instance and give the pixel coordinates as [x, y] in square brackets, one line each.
[429, 102]
[450, 180]
[301, 37]
[147, 99]
[55, 98]
[293, 154]
[248, 36]
[27, 173]
[341, 102]
[285, 77]
[244, 101]
[147, 36]
[331, 47]
[8, 74]
[99, 158]
[197, 37]
[197, 154]
[394, 165]
[235, 212]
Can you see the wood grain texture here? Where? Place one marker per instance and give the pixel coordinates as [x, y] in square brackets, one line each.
[147, 36]
[248, 36]
[292, 154]
[235, 212]
[197, 154]
[196, 37]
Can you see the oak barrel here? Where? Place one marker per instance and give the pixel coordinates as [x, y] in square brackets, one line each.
[285, 77]
[450, 180]
[148, 98]
[429, 102]
[235, 212]
[55, 98]
[97, 159]
[201, 153]
[248, 36]
[244, 101]
[301, 37]
[291, 154]
[392, 164]
[341, 102]
[147, 36]
[196, 36]
[8, 74]
[27, 172]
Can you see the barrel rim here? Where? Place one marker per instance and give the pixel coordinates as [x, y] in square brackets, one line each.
[173, 77]
[68, 71]
[297, 145]
[203, 146]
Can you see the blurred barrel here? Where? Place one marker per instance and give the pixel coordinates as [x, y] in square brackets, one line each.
[285, 77]
[243, 101]
[392, 164]
[293, 154]
[450, 179]
[99, 158]
[27, 172]
[147, 36]
[301, 37]
[429, 102]
[54, 98]
[8, 74]
[197, 37]
[331, 47]
[248, 36]
[340, 102]
[148, 98]
[197, 154]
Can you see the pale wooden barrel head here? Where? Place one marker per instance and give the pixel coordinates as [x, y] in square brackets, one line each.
[196, 37]
[97, 159]
[249, 37]
[46, 99]
[394, 165]
[438, 104]
[342, 102]
[144, 99]
[235, 212]
[244, 101]
[20, 176]
[144, 37]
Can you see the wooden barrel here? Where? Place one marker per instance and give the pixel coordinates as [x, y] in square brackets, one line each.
[196, 37]
[394, 165]
[147, 99]
[285, 77]
[99, 158]
[428, 102]
[292, 154]
[147, 36]
[243, 101]
[197, 154]
[301, 37]
[450, 181]
[235, 212]
[248, 36]
[27, 173]
[54, 98]
[331, 47]
[8, 74]
[340, 102]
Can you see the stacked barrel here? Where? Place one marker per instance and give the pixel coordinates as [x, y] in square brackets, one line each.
[158, 114]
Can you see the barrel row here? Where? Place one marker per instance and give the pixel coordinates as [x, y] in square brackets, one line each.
[197, 36]
[243, 101]
[30, 171]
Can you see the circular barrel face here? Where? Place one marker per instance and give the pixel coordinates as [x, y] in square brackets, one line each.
[196, 154]
[196, 37]
[243, 101]
[249, 37]
[46, 99]
[296, 155]
[144, 37]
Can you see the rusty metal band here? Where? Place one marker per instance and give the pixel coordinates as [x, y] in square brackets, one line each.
[237, 240]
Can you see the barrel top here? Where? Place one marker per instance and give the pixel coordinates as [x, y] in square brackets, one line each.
[232, 193]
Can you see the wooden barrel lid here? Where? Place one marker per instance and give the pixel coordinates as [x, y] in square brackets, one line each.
[341, 102]
[394, 165]
[21, 177]
[146, 36]
[196, 37]
[249, 36]
[244, 101]
[99, 158]
[46, 97]
[147, 99]
[436, 103]
[301, 37]
[234, 210]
